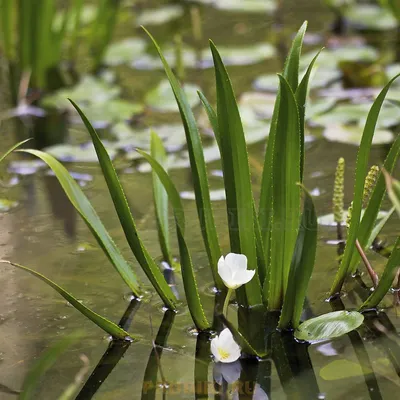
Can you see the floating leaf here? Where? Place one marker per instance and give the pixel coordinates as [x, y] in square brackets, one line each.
[370, 16]
[342, 369]
[256, 6]
[124, 51]
[7, 205]
[25, 167]
[162, 98]
[160, 15]
[352, 134]
[328, 326]
[78, 153]
[215, 195]
[329, 219]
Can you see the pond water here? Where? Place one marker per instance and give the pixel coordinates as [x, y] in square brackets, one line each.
[43, 232]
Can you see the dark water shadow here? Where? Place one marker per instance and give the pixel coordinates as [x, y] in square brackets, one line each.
[150, 383]
[111, 357]
[201, 364]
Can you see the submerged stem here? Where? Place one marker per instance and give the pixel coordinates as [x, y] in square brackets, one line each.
[370, 270]
[226, 302]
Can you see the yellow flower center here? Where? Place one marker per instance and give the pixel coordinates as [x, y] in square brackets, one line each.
[223, 354]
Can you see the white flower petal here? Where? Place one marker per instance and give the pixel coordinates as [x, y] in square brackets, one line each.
[214, 348]
[224, 272]
[245, 276]
[233, 355]
[236, 262]
[225, 336]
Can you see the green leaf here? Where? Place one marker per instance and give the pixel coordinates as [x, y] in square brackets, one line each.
[386, 280]
[286, 196]
[361, 173]
[126, 219]
[329, 326]
[188, 276]
[11, 149]
[92, 220]
[301, 98]
[266, 196]
[161, 198]
[393, 188]
[301, 267]
[43, 364]
[372, 211]
[261, 261]
[378, 227]
[103, 323]
[199, 171]
[237, 178]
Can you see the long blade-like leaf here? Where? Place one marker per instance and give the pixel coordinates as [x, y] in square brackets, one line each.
[286, 196]
[361, 173]
[161, 198]
[261, 257]
[393, 188]
[237, 178]
[125, 216]
[11, 149]
[199, 171]
[386, 280]
[301, 267]
[89, 215]
[103, 323]
[369, 217]
[44, 363]
[290, 73]
[188, 276]
[301, 98]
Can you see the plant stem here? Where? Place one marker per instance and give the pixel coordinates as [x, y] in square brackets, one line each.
[370, 270]
[226, 303]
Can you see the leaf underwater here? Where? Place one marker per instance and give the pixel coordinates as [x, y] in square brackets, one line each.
[328, 326]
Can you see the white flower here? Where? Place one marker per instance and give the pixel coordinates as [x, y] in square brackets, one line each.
[224, 348]
[233, 270]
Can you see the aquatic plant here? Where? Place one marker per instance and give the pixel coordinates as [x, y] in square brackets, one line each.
[224, 348]
[278, 239]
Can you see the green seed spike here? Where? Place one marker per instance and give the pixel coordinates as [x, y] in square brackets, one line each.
[349, 212]
[338, 191]
[369, 184]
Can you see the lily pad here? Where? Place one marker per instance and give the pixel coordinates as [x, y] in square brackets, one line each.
[321, 77]
[78, 153]
[159, 16]
[104, 114]
[124, 52]
[172, 135]
[351, 134]
[215, 195]
[332, 57]
[328, 219]
[162, 98]
[267, 6]
[7, 205]
[88, 90]
[370, 16]
[342, 369]
[231, 55]
[328, 326]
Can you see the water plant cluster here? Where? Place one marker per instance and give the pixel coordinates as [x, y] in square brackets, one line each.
[273, 238]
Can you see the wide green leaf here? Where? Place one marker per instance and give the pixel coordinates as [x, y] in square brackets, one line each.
[199, 171]
[237, 178]
[161, 198]
[286, 196]
[126, 219]
[370, 215]
[386, 281]
[301, 267]
[103, 323]
[43, 364]
[329, 326]
[188, 276]
[92, 220]
[361, 173]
